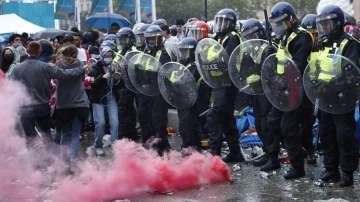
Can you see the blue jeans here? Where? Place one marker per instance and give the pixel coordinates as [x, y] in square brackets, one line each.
[99, 119]
[71, 136]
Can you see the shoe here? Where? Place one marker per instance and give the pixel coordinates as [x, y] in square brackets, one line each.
[99, 152]
[330, 176]
[295, 173]
[233, 158]
[270, 165]
[347, 179]
[262, 160]
[311, 159]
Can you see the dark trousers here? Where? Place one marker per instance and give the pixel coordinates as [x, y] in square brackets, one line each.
[127, 114]
[36, 116]
[337, 134]
[262, 107]
[289, 127]
[153, 121]
[220, 120]
[191, 126]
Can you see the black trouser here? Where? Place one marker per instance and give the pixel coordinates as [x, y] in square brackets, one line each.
[36, 116]
[262, 107]
[287, 126]
[337, 134]
[191, 126]
[160, 121]
[308, 124]
[145, 116]
[127, 114]
[153, 121]
[220, 120]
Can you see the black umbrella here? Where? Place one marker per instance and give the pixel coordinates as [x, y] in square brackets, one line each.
[50, 33]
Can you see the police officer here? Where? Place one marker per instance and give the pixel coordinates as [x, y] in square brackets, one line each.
[337, 132]
[126, 101]
[253, 29]
[189, 121]
[220, 118]
[139, 31]
[309, 23]
[153, 110]
[296, 44]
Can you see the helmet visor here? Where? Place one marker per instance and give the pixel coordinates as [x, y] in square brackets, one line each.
[140, 40]
[222, 24]
[251, 33]
[153, 41]
[325, 25]
[197, 33]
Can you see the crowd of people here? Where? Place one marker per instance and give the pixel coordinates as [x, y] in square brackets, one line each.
[74, 81]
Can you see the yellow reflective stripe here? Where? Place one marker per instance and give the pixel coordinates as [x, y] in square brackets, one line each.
[343, 44]
[213, 53]
[216, 73]
[227, 37]
[326, 66]
[281, 59]
[260, 53]
[252, 79]
[158, 54]
[289, 40]
[117, 57]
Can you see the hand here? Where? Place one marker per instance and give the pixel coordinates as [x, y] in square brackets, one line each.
[106, 76]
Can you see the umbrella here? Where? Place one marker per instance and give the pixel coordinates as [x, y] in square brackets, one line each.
[50, 33]
[104, 20]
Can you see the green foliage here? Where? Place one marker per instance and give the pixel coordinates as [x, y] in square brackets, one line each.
[185, 9]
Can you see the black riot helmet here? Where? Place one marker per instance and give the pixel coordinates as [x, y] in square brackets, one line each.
[139, 31]
[153, 37]
[126, 38]
[330, 23]
[186, 50]
[253, 29]
[283, 18]
[225, 21]
[309, 23]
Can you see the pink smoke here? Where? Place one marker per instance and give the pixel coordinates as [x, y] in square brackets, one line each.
[133, 170]
[19, 180]
[136, 170]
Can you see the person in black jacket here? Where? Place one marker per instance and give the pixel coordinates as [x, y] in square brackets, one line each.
[36, 76]
[102, 95]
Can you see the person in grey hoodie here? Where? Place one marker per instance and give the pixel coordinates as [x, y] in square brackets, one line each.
[35, 75]
[72, 106]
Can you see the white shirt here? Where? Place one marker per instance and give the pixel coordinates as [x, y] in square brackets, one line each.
[81, 55]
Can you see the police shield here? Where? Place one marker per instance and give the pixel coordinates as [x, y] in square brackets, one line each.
[123, 64]
[143, 72]
[177, 85]
[281, 81]
[245, 66]
[212, 63]
[332, 83]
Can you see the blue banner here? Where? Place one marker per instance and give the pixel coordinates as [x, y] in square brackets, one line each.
[99, 6]
[128, 8]
[65, 9]
[26, 11]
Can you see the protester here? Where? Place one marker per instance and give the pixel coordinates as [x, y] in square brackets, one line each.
[36, 76]
[72, 104]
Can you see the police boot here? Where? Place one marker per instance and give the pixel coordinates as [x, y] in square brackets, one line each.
[330, 176]
[295, 172]
[347, 179]
[272, 164]
[262, 160]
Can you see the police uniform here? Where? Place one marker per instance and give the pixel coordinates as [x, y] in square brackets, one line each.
[288, 125]
[220, 118]
[126, 104]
